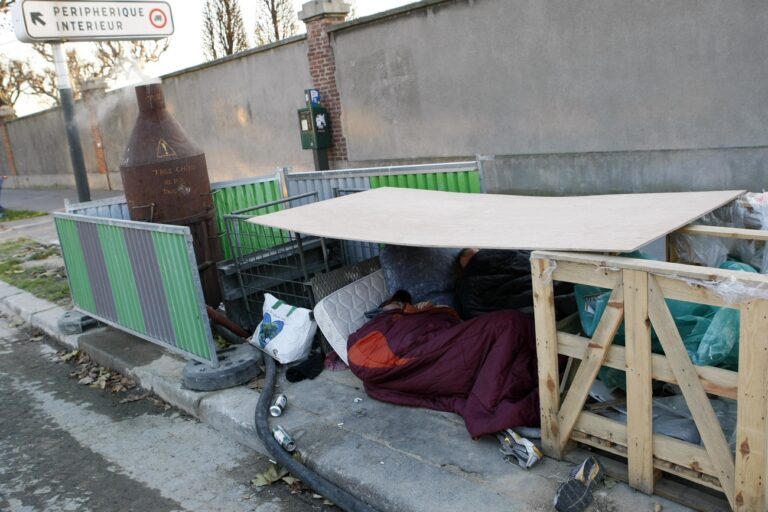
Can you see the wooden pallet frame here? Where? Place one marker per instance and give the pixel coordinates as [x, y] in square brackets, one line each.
[639, 289]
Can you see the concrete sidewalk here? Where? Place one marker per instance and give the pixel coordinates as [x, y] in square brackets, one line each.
[396, 458]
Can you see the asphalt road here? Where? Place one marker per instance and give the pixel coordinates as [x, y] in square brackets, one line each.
[65, 446]
[46, 199]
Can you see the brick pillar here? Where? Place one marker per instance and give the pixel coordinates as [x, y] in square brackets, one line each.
[319, 15]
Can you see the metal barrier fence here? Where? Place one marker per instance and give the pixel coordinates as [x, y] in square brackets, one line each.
[448, 177]
[231, 196]
[228, 196]
[110, 208]
[139, 277]
[269, 260]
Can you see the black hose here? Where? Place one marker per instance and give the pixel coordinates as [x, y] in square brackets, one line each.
[341, 498]
[228, 335]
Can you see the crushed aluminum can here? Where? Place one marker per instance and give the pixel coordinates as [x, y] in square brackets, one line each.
[278, 405]
[284, 438]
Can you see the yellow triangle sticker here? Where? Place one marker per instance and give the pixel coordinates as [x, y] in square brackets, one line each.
[164, 150]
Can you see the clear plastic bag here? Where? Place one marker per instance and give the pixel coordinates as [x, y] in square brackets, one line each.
[749, 211]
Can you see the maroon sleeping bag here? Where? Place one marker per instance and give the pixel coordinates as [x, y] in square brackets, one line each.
[483, 369]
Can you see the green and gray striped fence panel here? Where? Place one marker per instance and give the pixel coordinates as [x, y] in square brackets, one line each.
[139, 277]
[447, 177]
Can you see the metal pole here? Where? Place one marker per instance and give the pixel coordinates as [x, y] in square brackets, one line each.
[321, 159]
[73, 136]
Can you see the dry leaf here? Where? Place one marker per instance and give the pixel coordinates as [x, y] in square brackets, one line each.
[69, 355]
[272, 474]
[133, 398]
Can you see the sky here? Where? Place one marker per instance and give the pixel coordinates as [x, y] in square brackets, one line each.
[185, 49]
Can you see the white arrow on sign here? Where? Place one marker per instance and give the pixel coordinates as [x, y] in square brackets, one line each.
[85, 20]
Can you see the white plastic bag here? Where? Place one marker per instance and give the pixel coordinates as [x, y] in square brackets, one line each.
[286, 331]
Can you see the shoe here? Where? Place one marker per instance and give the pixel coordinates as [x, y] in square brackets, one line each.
[518, 449]
[575, 494]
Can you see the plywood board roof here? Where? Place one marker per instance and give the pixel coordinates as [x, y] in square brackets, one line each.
[605, 223]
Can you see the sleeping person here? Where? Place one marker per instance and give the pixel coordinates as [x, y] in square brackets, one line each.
[493, 279]
[424, 355]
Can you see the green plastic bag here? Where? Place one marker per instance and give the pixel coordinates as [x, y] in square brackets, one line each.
[710, 334]
[720, 344]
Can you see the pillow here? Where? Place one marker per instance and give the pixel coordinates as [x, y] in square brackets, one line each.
[426, 273]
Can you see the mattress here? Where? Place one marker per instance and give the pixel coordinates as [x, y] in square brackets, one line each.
[343, 311]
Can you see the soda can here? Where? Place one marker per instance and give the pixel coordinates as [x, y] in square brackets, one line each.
[284, 438]
[278, 405]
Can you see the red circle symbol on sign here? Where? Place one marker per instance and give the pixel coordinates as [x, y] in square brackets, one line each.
[157, 18]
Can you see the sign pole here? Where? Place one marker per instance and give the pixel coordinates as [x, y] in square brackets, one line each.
[73, 135]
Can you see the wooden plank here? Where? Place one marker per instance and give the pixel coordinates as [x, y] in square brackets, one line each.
[617, 223]
[638, 357]
[546, 351]
[751, 426]
[715, 380]
[660, 465]
[698, 403]
[586, 274]
[725, 232]
[596, 352]
[693, 498]
[690, 291]
[670, 450]
[660, 268]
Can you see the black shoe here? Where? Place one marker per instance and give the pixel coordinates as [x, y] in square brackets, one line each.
[575, 494]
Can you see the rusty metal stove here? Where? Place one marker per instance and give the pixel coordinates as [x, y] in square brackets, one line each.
[165, 179]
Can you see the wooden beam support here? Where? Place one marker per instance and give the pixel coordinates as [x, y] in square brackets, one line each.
[639, 369]
[596, 352]
[752, 415]
[717, 381]
[672, 451]
[725, 232]
[698, 403]
[546, 351]
[586, 274]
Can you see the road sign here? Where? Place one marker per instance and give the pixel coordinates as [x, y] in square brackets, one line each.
[85, 20]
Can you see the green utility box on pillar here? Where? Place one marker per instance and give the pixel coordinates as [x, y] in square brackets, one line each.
[314, 123]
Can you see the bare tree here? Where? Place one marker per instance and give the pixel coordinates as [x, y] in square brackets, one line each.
[13, 75]
[109, 60]
[275, 20]
[116, 58]
[223, 29]
[5, 16]
[352, 14]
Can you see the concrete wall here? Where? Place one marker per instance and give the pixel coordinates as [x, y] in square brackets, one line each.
[578, 96]
[241, 111]
[628, 172]
[528, 77]
[41, 151]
